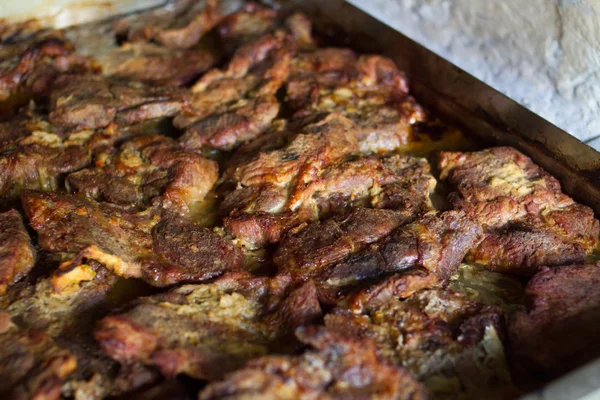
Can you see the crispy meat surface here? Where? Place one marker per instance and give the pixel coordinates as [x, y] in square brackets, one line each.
[66, 307]
[17, 254]
[29, 66]
[334, 367]
[559, 330]
[238, 103]
[160, 248]
[35, 155]
[528, 221]
[306, 251]
[32, 365]
[430, 248]
[91, 101]
[451, 344]
[207, 330]
[246, 25]
[315, 176]
[368, 89]
[144, 168]
[156, 65]
[179, 26]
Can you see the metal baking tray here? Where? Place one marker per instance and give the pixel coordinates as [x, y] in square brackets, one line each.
[440, 86]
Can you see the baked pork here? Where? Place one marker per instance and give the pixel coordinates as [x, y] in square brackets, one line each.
[528, 221]
[559, 329]
[17, 254]
[451, 344]
[334, 367]
[157, 246]
[146, 168]
[207, 330]
[31, 364]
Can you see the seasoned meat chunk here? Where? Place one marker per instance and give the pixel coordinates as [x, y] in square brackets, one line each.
[313, 247]
[179, 26]
[29, 66]
[31, 364]
[559, 330]
[451, 344]
[314, 176]
[17, 255]
[34, 155]
[370, 90]
[208, 330]
[144, 168]
[236, 104]
[246, 25]
[160, 248]
[528, 221]
[335, 367]
[156, 65]
[433, 244]
[66, 307]
[90, 101]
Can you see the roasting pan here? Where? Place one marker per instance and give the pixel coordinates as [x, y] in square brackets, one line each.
[436, 83]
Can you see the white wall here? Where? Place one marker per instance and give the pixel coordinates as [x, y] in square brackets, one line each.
[545, 54]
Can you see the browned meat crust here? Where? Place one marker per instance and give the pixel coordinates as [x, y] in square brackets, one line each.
[431, 248]
[306, 251]
[559, 331]
[31, 364]
[156, 65]
[66, 307]
[90, 102]
[529, 222]
[445, 340]
[28, 67]
[208, 330]
[17, 255]
[179, 26]
[34, 155]
[145, 168]
[246, 25]
[370, 90]
[237, 104]
[314, 176]
[160, 250]
[335, 367]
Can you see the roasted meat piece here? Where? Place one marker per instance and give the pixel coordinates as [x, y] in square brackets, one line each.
[156, 246]
[144, 168]
[34, 155]
[313, 176]
[246, 25]
[335, 367]
[431, 247]
[451, 344]
[179, 26]
[17, 255]
[559, 331]
[66, 307]
[28, 67]
[370, 90]
[234, 105]
[306, 251]
[528, 221]
[156, 65]
[31, 364]
[91, 101]
[208, 330]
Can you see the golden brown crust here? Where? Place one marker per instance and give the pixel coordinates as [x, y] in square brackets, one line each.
[17, 255]
[336, 367]
[529, 222]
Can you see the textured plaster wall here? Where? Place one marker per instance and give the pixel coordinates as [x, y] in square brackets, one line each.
[545, 54]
